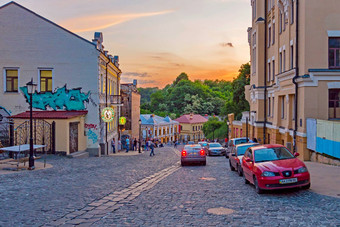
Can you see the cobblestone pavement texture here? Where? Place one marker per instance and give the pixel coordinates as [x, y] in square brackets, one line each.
[153, 191]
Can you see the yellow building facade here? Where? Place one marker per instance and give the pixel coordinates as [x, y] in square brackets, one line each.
[295, 69]
[191, 127]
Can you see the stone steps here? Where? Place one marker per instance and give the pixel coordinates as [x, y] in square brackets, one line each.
[79, 154]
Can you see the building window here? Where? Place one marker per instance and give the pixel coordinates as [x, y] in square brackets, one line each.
[334, 52]
[269, 107]
[334, 103]
[273, 34]
[280, 21]
[292, 12]
[273, 103]
[193, 128]
[293, 108]
[45, 80]
[12, 78]
[284, 60]
[269, 72]
[291, 56]
[269, 36]
[273, 63]
[280, 63]
[283, 107]
[254, 9]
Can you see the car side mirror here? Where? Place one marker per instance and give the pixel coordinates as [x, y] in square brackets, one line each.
[296, 154]
[248, 160]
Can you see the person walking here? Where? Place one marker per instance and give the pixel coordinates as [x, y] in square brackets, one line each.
[127, 144]
[152, 147]
[119, 145]
[175, 145]
[147, 145]
[113, 145]
[135, 144]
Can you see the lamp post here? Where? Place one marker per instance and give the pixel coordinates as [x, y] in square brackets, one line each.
[139, 141]
[30, 90]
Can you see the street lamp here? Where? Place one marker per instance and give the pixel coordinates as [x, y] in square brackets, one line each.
[30, 90]
[140, 124]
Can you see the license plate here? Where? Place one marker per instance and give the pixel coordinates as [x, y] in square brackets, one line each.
[288, 181]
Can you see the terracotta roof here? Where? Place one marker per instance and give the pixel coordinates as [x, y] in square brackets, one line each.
[50, 114]
[191, 119]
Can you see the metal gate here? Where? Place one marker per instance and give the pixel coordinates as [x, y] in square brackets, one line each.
[43, 134]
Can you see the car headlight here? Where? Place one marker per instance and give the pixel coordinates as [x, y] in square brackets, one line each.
[302, 170]
[268, 174]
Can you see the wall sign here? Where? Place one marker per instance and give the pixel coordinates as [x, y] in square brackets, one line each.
[122, 120]
[107, 114]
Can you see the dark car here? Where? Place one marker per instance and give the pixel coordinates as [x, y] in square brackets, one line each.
[273, 166]
[236, 155]
[193, 154]
[215, 149]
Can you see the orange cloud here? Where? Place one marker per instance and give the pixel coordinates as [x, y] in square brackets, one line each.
[98, 22]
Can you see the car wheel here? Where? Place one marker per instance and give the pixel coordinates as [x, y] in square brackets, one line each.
[306, 186]
[204, 163]
[239, 170]
[231, 167]
[257, 188]
[182, 163]
[245, 179]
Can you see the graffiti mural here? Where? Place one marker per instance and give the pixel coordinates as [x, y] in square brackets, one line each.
[62, 98]
[90, 126]
[92, 136]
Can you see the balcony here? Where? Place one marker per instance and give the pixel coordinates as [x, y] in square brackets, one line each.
[116, 100]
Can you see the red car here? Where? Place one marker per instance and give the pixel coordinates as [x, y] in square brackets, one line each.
[271, 167]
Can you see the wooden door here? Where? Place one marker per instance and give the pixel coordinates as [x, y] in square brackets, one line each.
[73, 137]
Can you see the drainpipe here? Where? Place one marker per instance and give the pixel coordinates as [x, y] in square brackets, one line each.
[119, 107]
[296, 76]
[265, 73]
[106, 79]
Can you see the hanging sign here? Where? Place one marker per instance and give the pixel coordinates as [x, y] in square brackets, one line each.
[122, 120]
[107, 114]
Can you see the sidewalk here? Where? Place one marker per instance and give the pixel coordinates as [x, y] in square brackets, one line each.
[325, 179]
[124, 153]
[8, 168]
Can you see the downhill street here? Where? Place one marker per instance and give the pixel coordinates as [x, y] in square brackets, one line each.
[152, 191]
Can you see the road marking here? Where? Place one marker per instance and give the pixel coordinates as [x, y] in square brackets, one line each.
[220, 211]
[100, 208]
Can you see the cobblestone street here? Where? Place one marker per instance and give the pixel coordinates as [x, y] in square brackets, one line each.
[152, 191]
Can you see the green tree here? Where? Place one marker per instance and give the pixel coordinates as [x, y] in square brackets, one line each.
[182, 76]
[211, 125]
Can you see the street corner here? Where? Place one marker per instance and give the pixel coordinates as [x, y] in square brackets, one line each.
[11, 166]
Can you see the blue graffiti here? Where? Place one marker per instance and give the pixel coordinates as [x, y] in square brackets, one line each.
[92, 136]
[70, 99]
[6, 111]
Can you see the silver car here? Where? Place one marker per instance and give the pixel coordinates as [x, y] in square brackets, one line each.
[215, 149]
[193, 154]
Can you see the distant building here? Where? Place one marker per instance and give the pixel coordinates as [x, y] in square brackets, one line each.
[131, 109]
[159, 128]
[75, 79]
[191, 127]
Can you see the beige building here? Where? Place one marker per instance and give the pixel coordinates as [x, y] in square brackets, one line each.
[295, 69]
[191, 127]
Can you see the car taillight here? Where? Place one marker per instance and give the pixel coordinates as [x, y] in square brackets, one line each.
[184, 153]
[202, 152]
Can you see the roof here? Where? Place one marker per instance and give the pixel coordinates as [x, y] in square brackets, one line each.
[50, 114]
[191, 119]
[14, 3]
[151, 119]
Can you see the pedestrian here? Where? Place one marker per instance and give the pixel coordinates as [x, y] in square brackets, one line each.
[139, 146]
[127, 141]
[135, 144]
[255, 140]
[152, 146]
[175, 145]
[147, 145]
[119, 145]
[113, 145]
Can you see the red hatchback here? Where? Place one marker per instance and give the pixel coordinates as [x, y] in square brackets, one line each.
[274, 167]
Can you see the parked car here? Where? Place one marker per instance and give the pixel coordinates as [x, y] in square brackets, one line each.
[233, 142]
[271, 167]
[215, 149]
[193, 154]
[204, 145]
[191, 142]
[236, 155]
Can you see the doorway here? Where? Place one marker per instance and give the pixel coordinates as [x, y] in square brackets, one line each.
[74, 137]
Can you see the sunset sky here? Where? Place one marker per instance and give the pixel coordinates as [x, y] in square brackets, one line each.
[156, 40]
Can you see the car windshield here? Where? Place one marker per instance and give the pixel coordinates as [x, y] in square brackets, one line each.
[203, 144]
[242, 149]
[192, 148]
[241, 141]
[215, 145]
[191, 142]
[272, 154]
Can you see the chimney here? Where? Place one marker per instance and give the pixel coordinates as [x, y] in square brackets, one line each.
[98, 40]
[191, 116]
[134, 82]
[116, 60]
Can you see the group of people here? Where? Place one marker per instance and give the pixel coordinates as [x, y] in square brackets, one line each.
[148, 145]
